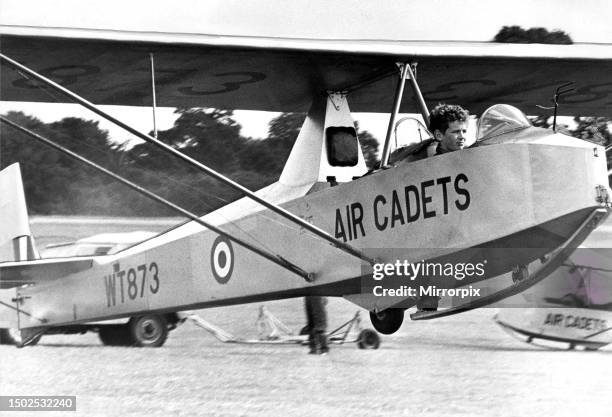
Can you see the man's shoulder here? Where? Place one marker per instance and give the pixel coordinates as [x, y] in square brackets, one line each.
[414, 152]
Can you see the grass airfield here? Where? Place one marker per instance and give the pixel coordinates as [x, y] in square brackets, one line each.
[457, 366]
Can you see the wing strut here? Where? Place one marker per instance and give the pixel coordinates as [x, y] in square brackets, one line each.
[417, 93]
[397, 100]
[278, 210]
[153, 94]
[406, 73]
[277, 259]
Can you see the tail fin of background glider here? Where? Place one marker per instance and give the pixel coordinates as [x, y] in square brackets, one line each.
[16, 241]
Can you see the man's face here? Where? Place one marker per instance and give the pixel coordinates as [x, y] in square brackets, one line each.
[454, 138]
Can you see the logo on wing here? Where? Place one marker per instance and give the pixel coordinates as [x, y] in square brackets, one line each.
[222, 259]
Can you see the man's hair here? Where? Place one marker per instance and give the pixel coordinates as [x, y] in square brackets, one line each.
[444, 114]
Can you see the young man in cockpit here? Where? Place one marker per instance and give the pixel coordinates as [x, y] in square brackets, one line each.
[448, 123]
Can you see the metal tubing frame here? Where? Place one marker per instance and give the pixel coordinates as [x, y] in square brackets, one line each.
[277, 259]
[418, 95]
[397, 100]
[273, 207]
[153, 95]
[405, 73]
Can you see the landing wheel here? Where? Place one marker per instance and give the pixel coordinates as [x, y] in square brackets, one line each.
[148, 331]
[519, 273]
[387, 321]
[368, 339]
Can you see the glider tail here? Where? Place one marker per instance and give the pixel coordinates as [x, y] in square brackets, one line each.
[16, 241]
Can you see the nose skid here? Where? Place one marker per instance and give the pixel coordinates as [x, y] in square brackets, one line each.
[552, 262]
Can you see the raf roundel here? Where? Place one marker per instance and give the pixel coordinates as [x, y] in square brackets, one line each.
[222, 259]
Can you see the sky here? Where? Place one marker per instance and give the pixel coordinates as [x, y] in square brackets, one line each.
[585, 20]
[472, 20]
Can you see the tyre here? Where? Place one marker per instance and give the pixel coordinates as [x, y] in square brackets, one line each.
[368, 339]
[150, 330]
[519, 273]
[387, 321]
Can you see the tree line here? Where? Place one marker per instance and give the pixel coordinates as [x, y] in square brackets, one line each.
[57, 184]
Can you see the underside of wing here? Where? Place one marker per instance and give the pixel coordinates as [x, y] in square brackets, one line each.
[273, 74]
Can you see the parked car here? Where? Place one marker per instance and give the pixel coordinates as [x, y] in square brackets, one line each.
[148, 330]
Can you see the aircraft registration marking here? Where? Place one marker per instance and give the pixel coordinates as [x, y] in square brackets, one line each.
[63, 74]
[226, 82]
[248, 78]
[131, 283]
[455, 90]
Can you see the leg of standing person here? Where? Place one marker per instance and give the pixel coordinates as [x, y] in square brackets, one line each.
[317, 323]
[312, 345]
[320, 324]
